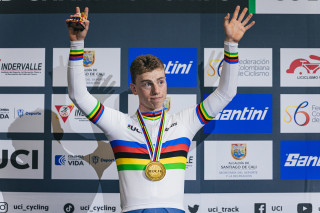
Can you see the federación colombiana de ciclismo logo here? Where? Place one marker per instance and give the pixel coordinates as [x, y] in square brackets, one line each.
[216, 67]
[300, 117]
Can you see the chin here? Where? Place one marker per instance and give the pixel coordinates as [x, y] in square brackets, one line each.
[157, 105]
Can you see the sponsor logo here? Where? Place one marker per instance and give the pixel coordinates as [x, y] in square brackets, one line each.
[247, 67]
[4, 113]
[297, 111]
[21, 67]
[300, 113]
[215, 67]
[239, 151]
[172, 125]
[304, 208]
[300, 160]
[77, 160]
[193, 209]
[17, 163]
[179, 63]
[68, 208]
[255, 66]
[64, 111]
[95, 159]
[78, 113]
[21, 113]
[276, 208]
[300, 70]
[73, 160]
[308, 67]
[80, 116]
[88, 58]
[3, 207]
[177, 68]
[133, 128]
[60, 160]
[4, 116]
[260, 208]
[246, 113]
[243, 114]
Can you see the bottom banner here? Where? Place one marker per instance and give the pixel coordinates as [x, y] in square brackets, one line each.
[16, 202]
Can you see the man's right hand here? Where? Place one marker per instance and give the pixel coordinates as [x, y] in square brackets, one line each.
[78, 35]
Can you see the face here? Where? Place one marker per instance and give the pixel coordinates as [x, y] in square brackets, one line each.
[151, 87]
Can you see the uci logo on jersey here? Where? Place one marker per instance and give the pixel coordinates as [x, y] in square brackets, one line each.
[133, 128]
[180, 64]
[300, 159]
[246, 113]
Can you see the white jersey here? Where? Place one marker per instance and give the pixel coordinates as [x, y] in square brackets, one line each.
[129, 144]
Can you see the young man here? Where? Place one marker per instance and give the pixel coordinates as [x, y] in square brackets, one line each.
[151, 161]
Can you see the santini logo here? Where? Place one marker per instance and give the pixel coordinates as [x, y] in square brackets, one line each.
[177, 68]
[299, 160]
[245, 114]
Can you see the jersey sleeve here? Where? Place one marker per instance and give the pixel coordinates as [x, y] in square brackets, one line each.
[195, 117]
[105, 118]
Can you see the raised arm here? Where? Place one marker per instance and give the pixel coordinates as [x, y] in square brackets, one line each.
[102, 116]
[234, 30]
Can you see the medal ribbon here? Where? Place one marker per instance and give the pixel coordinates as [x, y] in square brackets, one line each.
[154, 152]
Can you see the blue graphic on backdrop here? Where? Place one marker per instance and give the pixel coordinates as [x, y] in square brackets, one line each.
[180, 64]
[60, 160]
[300, 159]
[246, 113]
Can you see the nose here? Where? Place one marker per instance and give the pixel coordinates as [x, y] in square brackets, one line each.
[155, 89]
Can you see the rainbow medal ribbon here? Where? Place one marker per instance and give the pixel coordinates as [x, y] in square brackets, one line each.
[154, 170]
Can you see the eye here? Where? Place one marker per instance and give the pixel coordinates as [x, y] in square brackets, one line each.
[147, 84]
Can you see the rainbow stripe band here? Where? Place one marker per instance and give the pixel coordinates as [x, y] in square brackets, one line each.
[131, 155]
[96, 113]
[153, 151]
[202, 114]
[146, 134]
[76, 55]
[151, 115]
[231, 58]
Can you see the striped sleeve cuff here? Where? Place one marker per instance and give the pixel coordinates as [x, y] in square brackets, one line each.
[96, 113]
[76, 51]
[202, 114]
[231, 53]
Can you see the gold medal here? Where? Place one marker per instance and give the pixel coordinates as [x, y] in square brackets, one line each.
[155, 171]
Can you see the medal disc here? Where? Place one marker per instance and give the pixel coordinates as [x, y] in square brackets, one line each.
[155, 171]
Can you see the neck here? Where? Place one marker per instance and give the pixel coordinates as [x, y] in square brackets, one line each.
[148, 109]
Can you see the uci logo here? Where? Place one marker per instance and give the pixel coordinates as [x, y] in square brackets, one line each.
[15, 163]
[133, 128]
[298, 111]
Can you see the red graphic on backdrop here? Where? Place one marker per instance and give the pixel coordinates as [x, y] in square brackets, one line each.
[310, 67]
[64, 111]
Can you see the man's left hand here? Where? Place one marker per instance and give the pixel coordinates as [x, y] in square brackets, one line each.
[236, 28]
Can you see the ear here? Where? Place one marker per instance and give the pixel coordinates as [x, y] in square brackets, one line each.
[133, 88]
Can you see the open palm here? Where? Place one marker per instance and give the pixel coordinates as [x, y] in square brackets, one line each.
[235, 29]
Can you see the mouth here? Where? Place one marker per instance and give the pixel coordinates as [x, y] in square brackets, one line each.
[156, 98]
